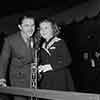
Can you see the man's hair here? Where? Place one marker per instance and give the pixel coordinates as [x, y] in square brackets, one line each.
[20, 20]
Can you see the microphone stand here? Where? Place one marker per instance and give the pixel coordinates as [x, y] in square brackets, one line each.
[34, 66]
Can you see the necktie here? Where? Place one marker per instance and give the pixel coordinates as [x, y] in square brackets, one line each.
[30, 43]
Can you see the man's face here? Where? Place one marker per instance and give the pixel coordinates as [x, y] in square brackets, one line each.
[27, 27]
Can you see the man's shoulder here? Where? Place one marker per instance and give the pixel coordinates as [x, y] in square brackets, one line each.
[13, 36]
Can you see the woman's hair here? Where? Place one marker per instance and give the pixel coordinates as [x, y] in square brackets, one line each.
[56, 29]
[20, 20]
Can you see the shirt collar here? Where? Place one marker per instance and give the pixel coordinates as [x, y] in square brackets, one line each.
[24, 37]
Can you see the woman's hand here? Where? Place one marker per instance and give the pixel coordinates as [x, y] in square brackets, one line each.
[45, 68]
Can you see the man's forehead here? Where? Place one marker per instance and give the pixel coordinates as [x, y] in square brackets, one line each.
[28, 21]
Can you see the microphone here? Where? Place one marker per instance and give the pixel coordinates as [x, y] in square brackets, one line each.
[37, 40]
[31, 42]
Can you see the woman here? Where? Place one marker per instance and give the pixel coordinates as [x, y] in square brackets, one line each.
[54, 58]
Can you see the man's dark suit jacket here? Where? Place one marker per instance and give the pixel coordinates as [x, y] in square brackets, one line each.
[16, 53]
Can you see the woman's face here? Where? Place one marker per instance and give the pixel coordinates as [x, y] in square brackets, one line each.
[46, 30]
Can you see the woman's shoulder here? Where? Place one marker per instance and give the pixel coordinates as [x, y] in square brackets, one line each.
[60, 41]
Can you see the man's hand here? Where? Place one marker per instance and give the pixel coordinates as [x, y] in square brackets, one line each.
[3, 83]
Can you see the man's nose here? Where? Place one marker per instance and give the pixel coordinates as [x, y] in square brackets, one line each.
[31, 28]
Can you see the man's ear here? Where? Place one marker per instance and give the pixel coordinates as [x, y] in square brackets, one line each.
[19, 27]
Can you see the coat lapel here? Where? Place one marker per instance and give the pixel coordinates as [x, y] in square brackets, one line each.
[23, 44]
[46, 48]
[55, 39]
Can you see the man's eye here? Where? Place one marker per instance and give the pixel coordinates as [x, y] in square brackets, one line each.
[26, 25]
[33, 25]
[29, 25]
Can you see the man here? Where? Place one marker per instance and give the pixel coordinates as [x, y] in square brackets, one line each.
[17, 53]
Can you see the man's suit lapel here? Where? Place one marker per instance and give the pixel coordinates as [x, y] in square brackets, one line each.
[26, 49]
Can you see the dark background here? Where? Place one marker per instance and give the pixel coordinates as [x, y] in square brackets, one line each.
[75, 33]
[53, 6]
